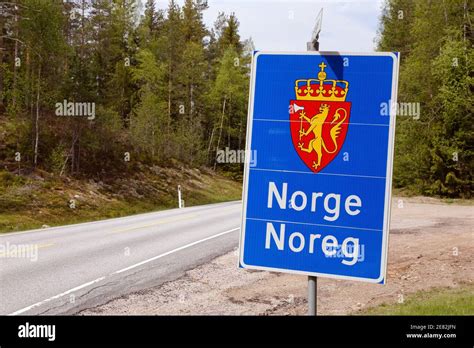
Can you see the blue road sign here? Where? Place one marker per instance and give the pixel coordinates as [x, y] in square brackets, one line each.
[317, 194]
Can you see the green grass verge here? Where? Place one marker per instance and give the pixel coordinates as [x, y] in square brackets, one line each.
[21, 221]
[452, 301]
[27, 203]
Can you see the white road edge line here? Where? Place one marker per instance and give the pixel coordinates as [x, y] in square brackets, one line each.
[57, 296]
[120, 271]
[174, 250]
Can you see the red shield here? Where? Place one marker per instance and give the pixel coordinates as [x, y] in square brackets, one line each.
[318, 130]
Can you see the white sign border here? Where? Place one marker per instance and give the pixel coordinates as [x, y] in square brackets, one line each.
[388, 178]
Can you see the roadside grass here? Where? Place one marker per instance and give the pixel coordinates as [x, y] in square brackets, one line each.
[30, 203]
[216, 190]
[439, 301]
[49, 217]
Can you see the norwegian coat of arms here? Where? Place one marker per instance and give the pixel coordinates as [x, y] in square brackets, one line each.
[319, 119]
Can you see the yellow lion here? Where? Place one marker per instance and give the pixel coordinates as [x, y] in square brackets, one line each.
[316, 126]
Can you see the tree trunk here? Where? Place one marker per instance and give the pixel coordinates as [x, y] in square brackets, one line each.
[78, 161]
[1, 60]
[15, 56]
[168, 124]
[240, 135]
[73, 148]
[210, 144]
[37, 116]
[169, 91]
[14, 64]
[220, 132]
[229, 121]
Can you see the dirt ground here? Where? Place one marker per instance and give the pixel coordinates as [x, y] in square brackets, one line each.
[431, 245]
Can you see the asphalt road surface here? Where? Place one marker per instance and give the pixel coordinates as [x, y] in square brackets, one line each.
[84, 265]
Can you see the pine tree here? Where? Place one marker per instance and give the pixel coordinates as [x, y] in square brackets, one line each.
[396, 22]
[149, 123]
[230, 35]
[44, 49]
[228, 95]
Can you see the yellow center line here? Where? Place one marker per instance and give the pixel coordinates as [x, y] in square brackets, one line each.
[164, 221]
[47, 245]
[238, 207]
[160, 222]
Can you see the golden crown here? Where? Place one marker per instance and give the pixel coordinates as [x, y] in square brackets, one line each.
[321, 89]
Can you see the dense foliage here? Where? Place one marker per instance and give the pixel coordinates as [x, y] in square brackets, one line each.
[164, 86]
[435, 152]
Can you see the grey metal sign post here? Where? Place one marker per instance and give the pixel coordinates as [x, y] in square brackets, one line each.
[313, 45]
[312, 295]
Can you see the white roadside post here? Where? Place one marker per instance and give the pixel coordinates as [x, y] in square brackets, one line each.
[180, 202]
[313, 45]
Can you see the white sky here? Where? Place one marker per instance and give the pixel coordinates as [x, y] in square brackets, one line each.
[286, 25]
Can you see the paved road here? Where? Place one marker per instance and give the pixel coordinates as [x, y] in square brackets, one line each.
[84, 265]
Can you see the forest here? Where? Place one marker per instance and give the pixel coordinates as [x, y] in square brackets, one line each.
[434, 153]
[163, 86]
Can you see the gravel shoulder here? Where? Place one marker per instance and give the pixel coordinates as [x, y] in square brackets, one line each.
[430, 246]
